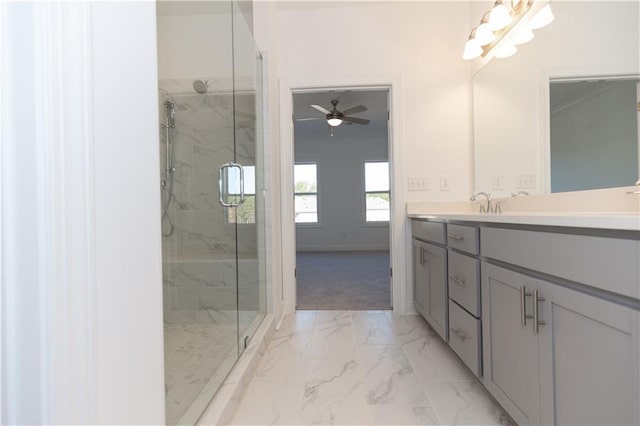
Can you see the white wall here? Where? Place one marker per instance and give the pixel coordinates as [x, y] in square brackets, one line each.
[420, 43]
[82, 324]
[340, 164]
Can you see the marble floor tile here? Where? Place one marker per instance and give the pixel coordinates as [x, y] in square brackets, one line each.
[464, 403]
[389, 377]
[363, 368]
[271, 402]
[332, 336]
[432, 360]
[401, 415]
[372, 328]
[286, 355]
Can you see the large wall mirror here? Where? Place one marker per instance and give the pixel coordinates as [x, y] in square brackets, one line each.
[562, 113]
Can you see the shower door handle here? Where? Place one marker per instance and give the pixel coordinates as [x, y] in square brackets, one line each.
[223, 182]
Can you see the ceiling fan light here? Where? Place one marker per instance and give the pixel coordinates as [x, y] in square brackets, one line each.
[542, 18]
[499, 16]
[334, 121]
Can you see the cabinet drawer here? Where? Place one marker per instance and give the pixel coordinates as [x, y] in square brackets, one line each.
[428, 231]
[464, 284]
[463, 238]
[607, 263]
[464, 337]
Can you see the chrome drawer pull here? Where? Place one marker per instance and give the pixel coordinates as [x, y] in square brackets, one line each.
[458, 280]
[459, 334]
[455, 237]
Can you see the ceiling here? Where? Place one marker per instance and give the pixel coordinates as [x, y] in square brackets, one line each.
[374, 100]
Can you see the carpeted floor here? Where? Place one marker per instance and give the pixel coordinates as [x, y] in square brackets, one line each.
[343, 280]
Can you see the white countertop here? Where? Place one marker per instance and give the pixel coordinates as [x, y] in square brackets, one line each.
[600, 220]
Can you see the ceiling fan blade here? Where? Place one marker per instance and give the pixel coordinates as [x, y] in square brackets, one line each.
[354, 110]
[321, 109]
[356, 120]
[309, 119]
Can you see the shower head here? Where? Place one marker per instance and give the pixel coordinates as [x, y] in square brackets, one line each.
[200, 86]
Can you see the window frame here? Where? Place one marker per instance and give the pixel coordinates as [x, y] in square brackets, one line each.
[317, 223]
[381, 223]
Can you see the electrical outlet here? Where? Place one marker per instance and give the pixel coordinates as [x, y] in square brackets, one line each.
[444, 183]
[418, 183]
[498, 183]
[526, 181]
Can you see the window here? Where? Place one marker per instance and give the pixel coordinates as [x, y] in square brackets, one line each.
[245, 212]
[376, 187]
[305, 195]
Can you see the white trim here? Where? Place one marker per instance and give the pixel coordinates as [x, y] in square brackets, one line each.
[66, 136]
[399, 243]
[48, 215]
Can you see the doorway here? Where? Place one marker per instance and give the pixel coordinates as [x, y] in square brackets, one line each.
[341, 197]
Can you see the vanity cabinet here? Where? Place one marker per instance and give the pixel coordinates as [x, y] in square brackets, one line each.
[580, 363]
[429, 274]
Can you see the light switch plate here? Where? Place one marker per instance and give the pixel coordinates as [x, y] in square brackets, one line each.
[498, 183]
[445, 185]
[418, 183]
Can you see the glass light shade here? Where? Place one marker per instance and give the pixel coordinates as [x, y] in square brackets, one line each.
[499, 17]
[334, 121]
[542, 18]
[472, 49]
[523, 36]
[484, 34]
[505, 51]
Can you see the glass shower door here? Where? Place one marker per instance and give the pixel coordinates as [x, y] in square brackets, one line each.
[249, 216]
[195, 56]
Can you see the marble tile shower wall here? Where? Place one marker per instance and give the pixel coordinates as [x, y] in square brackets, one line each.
[199, 281]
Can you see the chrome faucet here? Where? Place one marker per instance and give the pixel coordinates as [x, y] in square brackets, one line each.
[487, 196]
[515, 194]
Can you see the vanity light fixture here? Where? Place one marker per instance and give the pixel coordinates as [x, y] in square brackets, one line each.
[542, 18]
[500, 16]
[499, 22]
[472, 48]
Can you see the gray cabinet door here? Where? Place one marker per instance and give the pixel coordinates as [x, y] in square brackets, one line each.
[589, 363]
[437, 304]
[430, 284]
[510, 350]
[420, 279]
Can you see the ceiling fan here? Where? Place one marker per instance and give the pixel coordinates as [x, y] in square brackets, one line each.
[335, 118]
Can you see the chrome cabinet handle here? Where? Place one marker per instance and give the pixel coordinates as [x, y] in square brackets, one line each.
[455, 237]
[421, 256]
[221, 184]
[458, 280]
[523, 308]
[536, 321]
[459, 334]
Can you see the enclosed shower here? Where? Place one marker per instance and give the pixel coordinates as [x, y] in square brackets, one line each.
[212, 207]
